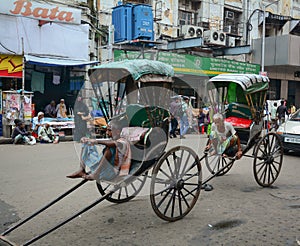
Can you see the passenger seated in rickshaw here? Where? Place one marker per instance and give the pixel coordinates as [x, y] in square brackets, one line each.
[115, 159]
[224, 138]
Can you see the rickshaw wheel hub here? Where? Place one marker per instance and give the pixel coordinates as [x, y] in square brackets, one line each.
[270, 159]
[179, 184]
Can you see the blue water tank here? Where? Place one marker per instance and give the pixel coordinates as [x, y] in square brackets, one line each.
[142, 22]
[122, 21]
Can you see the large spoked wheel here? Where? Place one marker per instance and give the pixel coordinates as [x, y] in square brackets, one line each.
[268, 157]
[125, 192]
[176, 183]
[215, 162]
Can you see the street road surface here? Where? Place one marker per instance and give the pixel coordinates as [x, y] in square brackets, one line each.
[236, 212]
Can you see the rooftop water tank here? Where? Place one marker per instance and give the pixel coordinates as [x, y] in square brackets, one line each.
[122, 21]
[142, 22]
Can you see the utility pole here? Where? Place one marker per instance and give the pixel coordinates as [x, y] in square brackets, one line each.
[263, 37]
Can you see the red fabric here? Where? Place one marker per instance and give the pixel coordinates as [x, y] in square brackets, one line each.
[239, 122]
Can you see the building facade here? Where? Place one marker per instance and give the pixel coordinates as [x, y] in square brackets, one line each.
[228, 29]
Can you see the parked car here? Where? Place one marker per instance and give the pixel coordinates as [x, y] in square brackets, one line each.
[289, 133]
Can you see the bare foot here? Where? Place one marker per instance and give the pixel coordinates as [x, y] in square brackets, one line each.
[89, 177]
[79, 174]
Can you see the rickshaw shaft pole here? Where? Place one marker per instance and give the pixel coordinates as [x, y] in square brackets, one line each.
[69, 219]
[43, 208]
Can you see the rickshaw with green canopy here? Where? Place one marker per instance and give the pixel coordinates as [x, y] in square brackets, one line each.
[241, 99]
[138, 92]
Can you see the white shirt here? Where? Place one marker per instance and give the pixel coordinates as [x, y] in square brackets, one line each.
[229, 130]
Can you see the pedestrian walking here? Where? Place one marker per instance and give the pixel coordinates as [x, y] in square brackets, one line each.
[184, 121]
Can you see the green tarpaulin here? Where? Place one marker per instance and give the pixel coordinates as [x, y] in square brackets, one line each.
[138, 68]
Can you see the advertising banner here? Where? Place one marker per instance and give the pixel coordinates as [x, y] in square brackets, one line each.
[11, 66]
[194, 65]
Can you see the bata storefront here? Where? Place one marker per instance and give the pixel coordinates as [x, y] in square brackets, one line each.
[44, 80]
[53, 45]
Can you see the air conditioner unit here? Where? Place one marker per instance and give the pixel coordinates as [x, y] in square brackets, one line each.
[227, 29]
[189, 31]
[230, 29]
[167, 31]
[229, 15]
[214, 37]
[230, 41]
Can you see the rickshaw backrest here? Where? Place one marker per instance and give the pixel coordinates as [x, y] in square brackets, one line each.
[146, 116]
[238, 110]
[155, 139]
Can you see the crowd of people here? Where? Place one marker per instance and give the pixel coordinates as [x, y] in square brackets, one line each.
[184, 117]
[41, 130]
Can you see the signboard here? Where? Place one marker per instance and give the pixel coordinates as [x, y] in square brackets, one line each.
[40, 11]
[194, 65]
[11, 66]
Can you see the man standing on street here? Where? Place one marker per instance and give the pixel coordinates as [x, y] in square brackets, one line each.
[184, 121]
[281, 112]
[174, 109]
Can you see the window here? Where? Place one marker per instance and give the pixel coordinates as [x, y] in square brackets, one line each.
[185, 18]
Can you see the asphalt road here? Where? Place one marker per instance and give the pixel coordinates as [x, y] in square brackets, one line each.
[236, 212]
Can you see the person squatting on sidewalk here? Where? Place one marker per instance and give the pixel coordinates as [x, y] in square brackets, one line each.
[47, 135]
[20, 135]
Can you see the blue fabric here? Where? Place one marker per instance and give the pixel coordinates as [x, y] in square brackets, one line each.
[184, 125]
[91, 158]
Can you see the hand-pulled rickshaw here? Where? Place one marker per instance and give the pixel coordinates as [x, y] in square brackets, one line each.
[140, 92]
[241, 98]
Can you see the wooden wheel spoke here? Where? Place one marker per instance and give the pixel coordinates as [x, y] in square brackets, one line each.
[260, 164]
[184, 199]
[190, 176]
[188, 192]
[164, 198]
[169, 177]
[263, 173]
[106, 187]
[271, 174]
[262, 150]
[274, 168]
[169, 203]
[120, 193]
[179, 202]
[135, 190]
[173, 203]
[126, 191]
[186, 162]
[191, 184]
[169, 166]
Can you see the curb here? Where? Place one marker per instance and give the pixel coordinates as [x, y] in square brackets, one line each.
[9, 140]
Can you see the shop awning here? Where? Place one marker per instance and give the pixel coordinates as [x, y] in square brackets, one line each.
[50, 61]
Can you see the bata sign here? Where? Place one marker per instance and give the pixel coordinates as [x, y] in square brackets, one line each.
[39, 11]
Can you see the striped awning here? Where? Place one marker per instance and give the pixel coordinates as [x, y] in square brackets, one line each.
[249, 82]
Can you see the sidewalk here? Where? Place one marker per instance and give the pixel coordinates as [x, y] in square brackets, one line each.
[4, 140]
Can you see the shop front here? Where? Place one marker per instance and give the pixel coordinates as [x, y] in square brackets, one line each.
[44, 54]
[12, 100]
